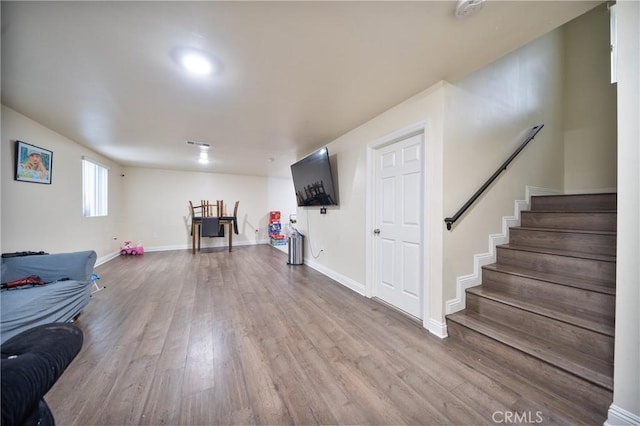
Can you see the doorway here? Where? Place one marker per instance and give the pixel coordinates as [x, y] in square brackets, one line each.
[397, 221]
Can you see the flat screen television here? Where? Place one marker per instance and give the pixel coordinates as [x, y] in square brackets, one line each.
[313, 181]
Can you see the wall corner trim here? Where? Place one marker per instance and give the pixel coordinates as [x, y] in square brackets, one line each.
[620, 417]
[479, 260]
[437, 328]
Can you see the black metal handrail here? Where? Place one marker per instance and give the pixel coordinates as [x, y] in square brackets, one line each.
[532, 134]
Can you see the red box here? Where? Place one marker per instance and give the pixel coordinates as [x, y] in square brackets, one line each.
[274, 217]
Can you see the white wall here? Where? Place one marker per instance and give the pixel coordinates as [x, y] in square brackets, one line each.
[150, 205]
[156, 205]
[145, 204]
[626, 381]
[49, 217]
[472, 126]
[281, 197]
[590, 104]
[486, 119]
[336, 242]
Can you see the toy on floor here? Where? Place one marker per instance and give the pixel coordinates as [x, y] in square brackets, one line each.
[128, 249]
[94, 280]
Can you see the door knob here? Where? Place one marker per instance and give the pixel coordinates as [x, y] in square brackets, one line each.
[376, 231]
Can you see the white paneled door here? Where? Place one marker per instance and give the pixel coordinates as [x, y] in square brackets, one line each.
[398, 224]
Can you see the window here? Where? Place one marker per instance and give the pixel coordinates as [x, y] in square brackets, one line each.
[95, 188]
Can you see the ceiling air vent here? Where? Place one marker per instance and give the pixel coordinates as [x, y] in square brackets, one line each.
[200, 144]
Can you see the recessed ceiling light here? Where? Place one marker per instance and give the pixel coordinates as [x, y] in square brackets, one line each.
[197, 62]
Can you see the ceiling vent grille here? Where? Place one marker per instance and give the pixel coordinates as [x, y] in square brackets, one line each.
[200, 144]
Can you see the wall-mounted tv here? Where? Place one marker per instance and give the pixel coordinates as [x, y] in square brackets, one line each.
[313, 181]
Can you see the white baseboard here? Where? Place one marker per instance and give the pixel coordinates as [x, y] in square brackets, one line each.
[283, 248]
[167, 248]
[345, 281]
[433, 326]
[104, 259]
[215, 244]
[479, 260]
[620, 417]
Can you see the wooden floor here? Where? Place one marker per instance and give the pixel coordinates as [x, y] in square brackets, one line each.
[243, 338]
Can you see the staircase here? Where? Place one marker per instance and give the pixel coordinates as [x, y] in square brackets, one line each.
[546, 308]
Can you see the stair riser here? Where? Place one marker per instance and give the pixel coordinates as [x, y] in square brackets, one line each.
[562, 265]
[553, 331]
[540, 374]
[582, 203]
[572, 241]
[537, 290]
[592, 221]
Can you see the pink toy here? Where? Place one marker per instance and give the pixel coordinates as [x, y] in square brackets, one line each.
[128, 249]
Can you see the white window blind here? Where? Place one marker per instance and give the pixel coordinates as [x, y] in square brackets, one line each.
[95, 189]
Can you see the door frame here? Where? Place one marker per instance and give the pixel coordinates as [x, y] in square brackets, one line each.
[370, 250]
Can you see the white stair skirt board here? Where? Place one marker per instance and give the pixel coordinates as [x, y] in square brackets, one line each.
[480, 260]
[621, 417]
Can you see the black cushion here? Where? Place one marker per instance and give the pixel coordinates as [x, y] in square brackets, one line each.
[31, 362]
[211, 227]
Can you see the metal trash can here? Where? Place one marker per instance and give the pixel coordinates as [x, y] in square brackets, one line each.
[296, 243]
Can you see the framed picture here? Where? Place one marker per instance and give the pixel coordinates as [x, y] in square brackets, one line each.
[33, 164]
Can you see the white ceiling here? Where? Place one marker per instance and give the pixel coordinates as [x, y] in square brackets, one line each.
[294, 76]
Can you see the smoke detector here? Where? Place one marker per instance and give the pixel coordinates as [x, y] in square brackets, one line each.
[466, 8]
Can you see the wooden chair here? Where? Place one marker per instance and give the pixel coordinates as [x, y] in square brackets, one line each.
[234, 219]
[196, 222]
[220, 208]
[208, 209]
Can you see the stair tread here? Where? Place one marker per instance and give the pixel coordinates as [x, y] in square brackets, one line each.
[584, 319]
[577, 363]
[570, 211]
[565, 230]
[582, 283]
[560, 252]
[575, 202]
